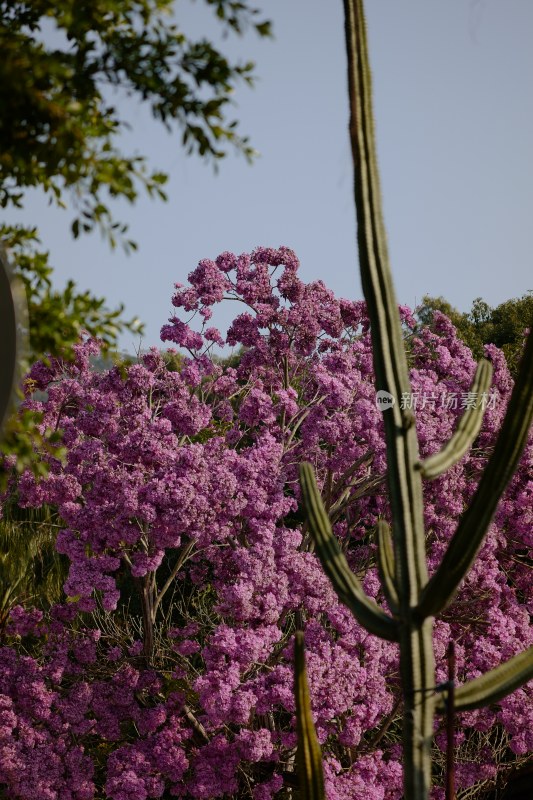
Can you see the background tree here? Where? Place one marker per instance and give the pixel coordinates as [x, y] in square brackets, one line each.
[505, 326]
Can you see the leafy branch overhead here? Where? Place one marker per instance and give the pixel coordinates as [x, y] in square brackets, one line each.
[60, 130]
[505, 325]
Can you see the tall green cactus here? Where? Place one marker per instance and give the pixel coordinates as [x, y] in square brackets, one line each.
[413, 600]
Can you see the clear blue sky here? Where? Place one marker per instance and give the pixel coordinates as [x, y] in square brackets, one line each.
[454, 115]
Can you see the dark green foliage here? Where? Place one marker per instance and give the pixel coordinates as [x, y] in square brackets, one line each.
[503, 326]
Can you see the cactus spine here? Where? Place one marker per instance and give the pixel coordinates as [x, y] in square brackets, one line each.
[413, 599]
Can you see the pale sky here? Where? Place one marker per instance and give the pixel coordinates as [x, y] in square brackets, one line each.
[454, 116]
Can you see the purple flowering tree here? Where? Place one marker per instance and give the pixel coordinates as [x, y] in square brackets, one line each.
[168, 670]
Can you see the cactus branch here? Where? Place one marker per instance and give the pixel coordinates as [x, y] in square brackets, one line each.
[309, 756]
[466, 431]
[386, 565]
[348, 588]
[468, 537]
[493, 685]
[450, 725]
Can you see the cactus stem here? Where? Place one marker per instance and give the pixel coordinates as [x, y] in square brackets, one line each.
[309, 755]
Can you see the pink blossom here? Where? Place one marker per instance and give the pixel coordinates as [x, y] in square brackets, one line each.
[170, 672]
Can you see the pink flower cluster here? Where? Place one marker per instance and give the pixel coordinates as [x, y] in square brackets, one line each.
[179, 495]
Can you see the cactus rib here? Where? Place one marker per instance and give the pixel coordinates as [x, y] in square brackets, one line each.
[493, 685]
[346, 585]
[468, 537]
[466, 431]
[309, 755]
